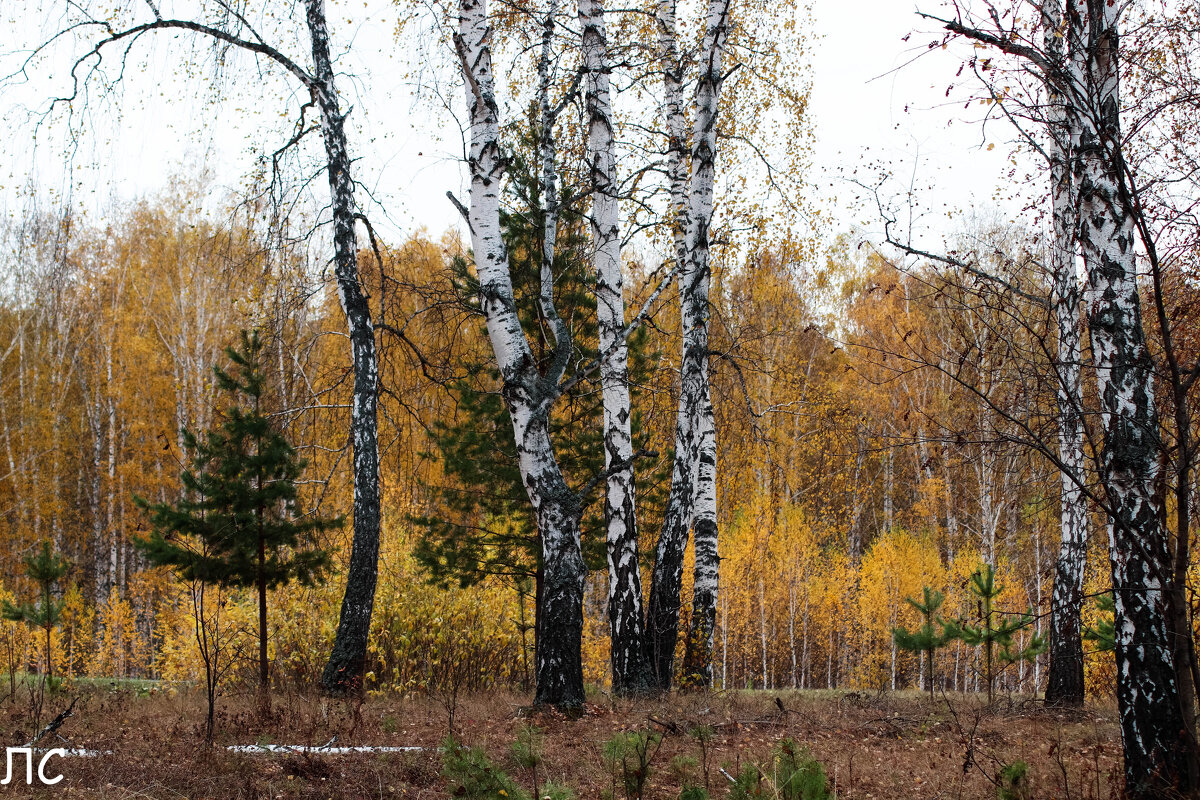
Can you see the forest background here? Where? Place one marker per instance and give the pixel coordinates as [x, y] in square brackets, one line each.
[855, 469]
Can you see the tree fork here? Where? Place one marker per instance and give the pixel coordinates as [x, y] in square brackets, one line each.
[527, 394]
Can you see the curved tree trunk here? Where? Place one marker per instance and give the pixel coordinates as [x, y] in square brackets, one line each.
[347, 661]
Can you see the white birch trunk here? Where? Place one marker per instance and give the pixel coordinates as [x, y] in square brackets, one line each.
[698, 657]
[630, 667]
[667, 578]
[1065, 685]
[889, 488]
[792, 633]
[527, 395]
[1156, 755]
[804, 652]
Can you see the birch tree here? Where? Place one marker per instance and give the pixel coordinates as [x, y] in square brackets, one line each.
[527, 393]
[1157, 731]
[662, 622]
[695, 205]
[1065, 683]
[347, 661]
[346, 664]
[630, 667]
[1147, 693]
[698, 655]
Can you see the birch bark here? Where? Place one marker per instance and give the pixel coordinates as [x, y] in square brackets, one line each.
[1158, 758]
[347, 660]
[666, 581]
[527, 394]
[693, 486]
[630, 666]
[698, 657]
[1065, 684]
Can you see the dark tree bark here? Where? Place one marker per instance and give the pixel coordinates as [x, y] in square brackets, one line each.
[264, 668]
[560, 623]
[697, 658]
[347, 661]
[1158, 755]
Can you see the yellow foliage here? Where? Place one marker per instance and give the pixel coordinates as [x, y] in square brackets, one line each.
[897, 565]
[120, 649]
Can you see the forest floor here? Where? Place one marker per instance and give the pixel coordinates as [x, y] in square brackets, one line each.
[872, 745]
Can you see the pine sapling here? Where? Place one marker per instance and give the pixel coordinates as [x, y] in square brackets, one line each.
[236, 524]
[45, 568]
[1104, 636]
[925, 639]
[995, 630]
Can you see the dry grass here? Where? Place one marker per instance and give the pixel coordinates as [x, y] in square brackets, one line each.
[872, 746]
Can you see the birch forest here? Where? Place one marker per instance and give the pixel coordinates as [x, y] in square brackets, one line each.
[674, 465]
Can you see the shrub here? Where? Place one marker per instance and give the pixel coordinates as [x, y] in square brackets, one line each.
[627, 756]
[1013, 782]
[472, 775]
[793, 774]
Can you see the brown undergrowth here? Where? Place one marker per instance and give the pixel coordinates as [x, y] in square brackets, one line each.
[898, 745]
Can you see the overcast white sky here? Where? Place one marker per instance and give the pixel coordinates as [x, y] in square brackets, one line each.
[869, 105]
[879, 99]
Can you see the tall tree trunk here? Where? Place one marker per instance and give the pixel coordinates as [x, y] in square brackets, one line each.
[989, 514]
[347, 660]
[1187, 674]
[527, 395]
[630, 665]
[560, 624]
[697, 661]
[666, 580]
[264, 668]
[1065, 683]
[693, 485]
[706, 575]
[1158, 755]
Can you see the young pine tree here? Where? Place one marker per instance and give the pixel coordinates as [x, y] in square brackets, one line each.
[925, 639]
[45, 568]
[235, 524]
[994, 632]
